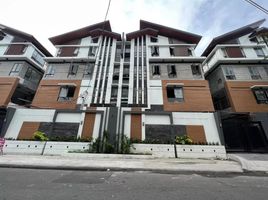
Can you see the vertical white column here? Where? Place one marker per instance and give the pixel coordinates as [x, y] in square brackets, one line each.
[105, 69]
[100, 70]
[131, 72]
[142, 69]
[111, 70]
[137, 81]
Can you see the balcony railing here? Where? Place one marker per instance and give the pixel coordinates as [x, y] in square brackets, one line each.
[234, 52]
[173, 52]
[22, 50]
[77, 50]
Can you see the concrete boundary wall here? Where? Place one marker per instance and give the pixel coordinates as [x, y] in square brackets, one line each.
[156, 150]
[47, 148]
[183, 151]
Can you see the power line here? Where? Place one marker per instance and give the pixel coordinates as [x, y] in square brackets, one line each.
[258, 6]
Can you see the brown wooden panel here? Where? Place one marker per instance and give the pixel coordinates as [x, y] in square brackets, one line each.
[27, 130]
[88, 125]
[7, 88]
[197, 96]
[241, 96]
[48, 92]
[234, 52]
[196, 133]
[69, 51]
[15, 49]
[135, 128]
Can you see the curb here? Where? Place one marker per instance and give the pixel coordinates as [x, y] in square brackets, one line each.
[119, 169]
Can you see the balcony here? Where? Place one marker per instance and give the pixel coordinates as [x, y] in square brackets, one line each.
[79, 53]
[173, 53]
[19, 51]
[235, 53]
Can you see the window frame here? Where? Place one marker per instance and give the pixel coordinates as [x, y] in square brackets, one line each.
[259, 51]
[154, 51]
[229, 76]
[50, 72]
[172, 72]
[14, 70]
[265, 93]
[69, 94]
[71, 73]
[154, 71]
[254, 73]
[173, 98]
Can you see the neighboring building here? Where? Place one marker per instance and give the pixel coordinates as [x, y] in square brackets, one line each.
[237, 70]
[148, 85]
[22, 66]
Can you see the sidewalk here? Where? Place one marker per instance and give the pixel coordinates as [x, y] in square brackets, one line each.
[251, 162]
[117, 162]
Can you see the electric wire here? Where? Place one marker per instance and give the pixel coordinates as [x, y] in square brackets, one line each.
[258, 6]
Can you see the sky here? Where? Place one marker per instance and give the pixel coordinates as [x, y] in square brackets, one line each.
[208, 18]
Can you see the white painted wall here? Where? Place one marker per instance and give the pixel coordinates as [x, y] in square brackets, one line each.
[155, 91]
[83, 51]
[27, 115]
[96, 126]
[157, 119]
[127, 125]
[86, 85]
[69, 117]
[205, 119]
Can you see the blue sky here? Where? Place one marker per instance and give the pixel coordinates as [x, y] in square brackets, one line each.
[208, 18]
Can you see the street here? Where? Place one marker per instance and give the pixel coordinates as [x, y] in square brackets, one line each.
[17, 184]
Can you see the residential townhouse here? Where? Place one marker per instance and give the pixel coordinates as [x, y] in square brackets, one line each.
[147, 84]
[237, 70]
[22, 66]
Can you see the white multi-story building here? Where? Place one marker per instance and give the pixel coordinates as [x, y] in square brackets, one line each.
[147, 84]
[236, 67]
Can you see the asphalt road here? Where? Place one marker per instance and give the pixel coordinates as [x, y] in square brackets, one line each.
[28, 184]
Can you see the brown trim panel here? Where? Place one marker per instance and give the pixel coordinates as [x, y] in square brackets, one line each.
[88, 127]
[27, 130]
[197, 96]
[241, 97]
[7, 87]
[196, 133]
[135, 125]
[48, 92]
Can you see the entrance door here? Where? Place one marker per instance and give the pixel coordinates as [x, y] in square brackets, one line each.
[243, 135]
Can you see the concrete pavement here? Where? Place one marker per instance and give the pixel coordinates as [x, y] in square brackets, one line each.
[119, 163]
[237, 163]
[251, 162]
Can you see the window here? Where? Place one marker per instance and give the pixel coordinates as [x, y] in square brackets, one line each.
[114, 94]
[266, 69]
[124, 92]
[154, 39]
[28, 74]
[50, 71]
[172, 51]
[155, 51]
[156, 70]
[92, 51]
[261, 95]
[196, 71]
[15, 69]
[190, 53]
[172, 71]
[73, 70]
[175, 93]
[95, 40]
[88, 71]
[66, 93]
[254, 73]
[229, 73]
[259, 51]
